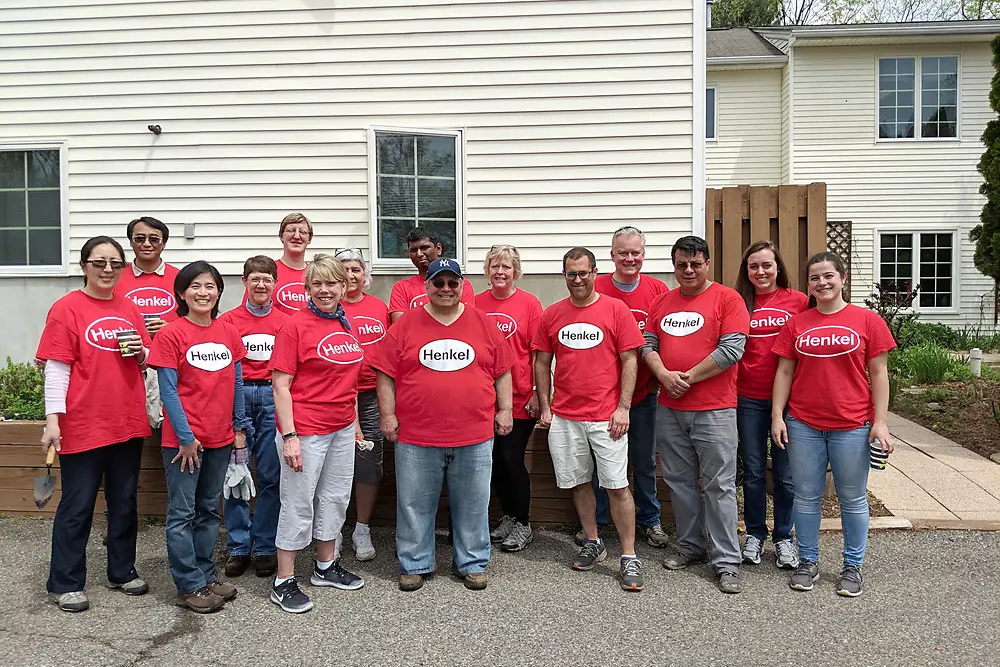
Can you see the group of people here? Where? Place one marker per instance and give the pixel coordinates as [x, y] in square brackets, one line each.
[310, 374]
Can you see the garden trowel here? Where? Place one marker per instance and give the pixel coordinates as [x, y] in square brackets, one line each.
[44, 486]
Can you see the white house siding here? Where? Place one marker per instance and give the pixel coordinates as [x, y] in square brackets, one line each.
[748, 149]
[787, 104]
[917, 185]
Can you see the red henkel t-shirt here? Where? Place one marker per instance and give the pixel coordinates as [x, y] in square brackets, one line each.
[689, 329]
[289, 290]
[258, 338]
[410, 293]
[586, 343]
[444, 377]
[205, 360]
[369, 322]
[759, 363]
[517, 319]
[324, 358]
[106, 401]
[151, 293]
[830, 390]
[638, 301]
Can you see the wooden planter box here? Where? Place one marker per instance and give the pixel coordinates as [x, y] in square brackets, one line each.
[21, 461]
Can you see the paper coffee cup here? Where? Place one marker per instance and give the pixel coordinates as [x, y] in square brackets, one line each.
[124, 338]
[877, 456]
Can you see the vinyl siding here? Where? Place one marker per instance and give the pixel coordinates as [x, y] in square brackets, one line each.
[748, 149]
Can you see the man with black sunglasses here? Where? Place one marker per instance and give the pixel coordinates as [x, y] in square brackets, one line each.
[423, 248]
[149, 281]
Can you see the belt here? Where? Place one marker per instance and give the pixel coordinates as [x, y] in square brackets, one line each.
[257, 382]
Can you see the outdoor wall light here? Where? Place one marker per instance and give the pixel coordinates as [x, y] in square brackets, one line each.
[155, 129]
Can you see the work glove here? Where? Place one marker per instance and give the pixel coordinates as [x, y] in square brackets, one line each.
[239, 482]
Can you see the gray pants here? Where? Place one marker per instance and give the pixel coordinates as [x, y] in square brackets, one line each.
[690, 441]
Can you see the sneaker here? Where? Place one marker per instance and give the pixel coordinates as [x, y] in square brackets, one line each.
[656, 537]
[581, 537]
[290, 597]
[591, 553]
[785, 556]
[520, 537]
[410, 582]
[72, 602]
[730, 582]
[631, 574]
[679, 560]
[805, 575]
[237, 565]
[337, 577]
[752, 549]
[850, 582]
[135, 587]
[364, 550]
[225, 591]
[500, 533]
[201, 602]
[265, 566]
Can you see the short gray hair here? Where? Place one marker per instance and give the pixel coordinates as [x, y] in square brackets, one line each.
[348, 255]
[628, 230]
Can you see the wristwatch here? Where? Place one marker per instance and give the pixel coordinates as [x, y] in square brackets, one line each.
[290, 434]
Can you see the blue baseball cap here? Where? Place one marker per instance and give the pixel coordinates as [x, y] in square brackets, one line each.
[441, 265]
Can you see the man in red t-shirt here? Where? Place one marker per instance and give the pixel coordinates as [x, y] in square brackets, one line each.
[594, 340]
[423, 248]
[695, 336]
[296, 233]
[637, 291]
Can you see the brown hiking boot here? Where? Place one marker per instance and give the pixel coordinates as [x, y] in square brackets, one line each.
[265, 566]
[237, 565]
[225, 591]
[410, 582]
[474, 581]
[201, 602]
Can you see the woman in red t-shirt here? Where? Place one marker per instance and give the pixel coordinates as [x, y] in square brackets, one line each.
[198, 362]
[828, 355]
[369, 316]
[516, 314]
[95, 401]
[763, 283]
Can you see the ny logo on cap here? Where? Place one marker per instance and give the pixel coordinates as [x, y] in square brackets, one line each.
[445, 263]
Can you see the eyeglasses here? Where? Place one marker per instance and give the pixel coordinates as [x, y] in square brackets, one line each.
[301, 231]
[141, 239]
[504, 246]
[101, 264]
[582, 275]
[453, 284]
[694, 266]
[262, 280]
[340, 250]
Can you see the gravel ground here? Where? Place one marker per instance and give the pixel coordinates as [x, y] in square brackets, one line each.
[930, 600]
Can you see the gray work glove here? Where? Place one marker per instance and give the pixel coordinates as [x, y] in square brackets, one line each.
[239, 482]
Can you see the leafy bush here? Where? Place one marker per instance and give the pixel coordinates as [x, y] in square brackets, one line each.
[893, 306]
[926, 364]
[22, 391]
[942, 335]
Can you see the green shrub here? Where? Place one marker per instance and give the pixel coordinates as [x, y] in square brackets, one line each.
[927, 364]
[933, 333]
[22, 391]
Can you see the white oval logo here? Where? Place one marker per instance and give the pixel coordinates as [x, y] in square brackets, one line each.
[447, 355]
[340, 347]
[292, 295]
[767, 322]
[103, 333]
[419, 300]
[209, 357]
[369, 329]
[640, 318]
[152, 300]
[827, 341]
[259, 346]
[682, 324]
[581, 335]
[505, 323]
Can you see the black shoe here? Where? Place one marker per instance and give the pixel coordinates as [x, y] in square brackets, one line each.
[850, 584]
[337, 577]
[290, 597]
[237, 565]
[265, 566]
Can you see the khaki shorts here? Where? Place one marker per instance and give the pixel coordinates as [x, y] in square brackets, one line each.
[575, 446]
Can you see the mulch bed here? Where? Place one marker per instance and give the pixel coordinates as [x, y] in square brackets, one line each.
[959, 411]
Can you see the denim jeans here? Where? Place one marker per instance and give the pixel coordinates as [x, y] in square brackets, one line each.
[193, 517]
[246, 536]
[809, 452]
[642, 456]
[753, 422]
[420, 474]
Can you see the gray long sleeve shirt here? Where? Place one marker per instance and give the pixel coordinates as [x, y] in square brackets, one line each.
[727, 353]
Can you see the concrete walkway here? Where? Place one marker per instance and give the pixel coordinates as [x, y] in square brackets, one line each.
[936, 483]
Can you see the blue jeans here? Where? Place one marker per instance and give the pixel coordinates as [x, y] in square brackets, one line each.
[420, 474]
[846, 452]
[256, 536]
[642, 456]
[193, 517]
[753, 422]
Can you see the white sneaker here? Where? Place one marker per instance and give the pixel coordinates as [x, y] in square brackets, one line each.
[518, 538]
[72, 602]
[363, 547]
[752, 550]
[785, 556]
[503, 529]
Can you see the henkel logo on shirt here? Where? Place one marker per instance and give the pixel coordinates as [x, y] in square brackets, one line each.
[447, 355]
[369, 329]
[209, 357]
[292, 295]
[767, 322]
[580, 336]
[640, 318]
[419, 300]
[682, 324]
[103, 333]
[827, 341]
[340, 347]
[505, 323]
[259, 346]
[152, 300]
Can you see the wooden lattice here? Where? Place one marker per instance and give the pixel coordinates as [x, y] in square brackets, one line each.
[838, 240]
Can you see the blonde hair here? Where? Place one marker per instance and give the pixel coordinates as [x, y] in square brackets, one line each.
[326, 267]
[503, 253]
[295, 219]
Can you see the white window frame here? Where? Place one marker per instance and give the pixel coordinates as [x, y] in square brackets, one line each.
[382, 265]
[918, 98]
[956, 262]
[715, 117]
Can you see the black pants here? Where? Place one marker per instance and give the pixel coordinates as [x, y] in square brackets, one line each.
[511, 482]
[81, 475]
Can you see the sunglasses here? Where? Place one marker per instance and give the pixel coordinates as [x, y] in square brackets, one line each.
[101, 264]
[453, 284]
[504, 246]
[340, 250]
[141, 239]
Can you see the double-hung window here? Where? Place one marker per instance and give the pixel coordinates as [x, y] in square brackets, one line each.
[923, 260]
[31, 215]
[918, 98]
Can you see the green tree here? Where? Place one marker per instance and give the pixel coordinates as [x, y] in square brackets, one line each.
[986, 234]
[745, 13]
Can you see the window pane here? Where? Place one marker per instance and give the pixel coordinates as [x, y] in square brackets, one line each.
[396, 197]
[939, 111]
[445, 231]
[943, 300]
[13, 247]
[11, 169]
[395, 154]
[436, 156]
[44, 247]
[392, 236]
[43, 169]
[43, 208]
[710, 113]
[436, 198]
[12, 212]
